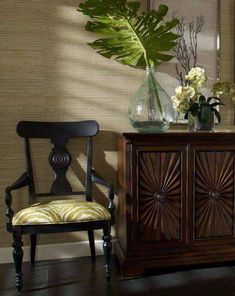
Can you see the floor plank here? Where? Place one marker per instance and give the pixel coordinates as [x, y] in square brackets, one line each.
[80, 277]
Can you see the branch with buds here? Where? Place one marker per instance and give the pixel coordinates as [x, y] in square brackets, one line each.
[187, 54]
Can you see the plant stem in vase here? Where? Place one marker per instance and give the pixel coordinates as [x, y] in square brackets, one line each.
[151, 109]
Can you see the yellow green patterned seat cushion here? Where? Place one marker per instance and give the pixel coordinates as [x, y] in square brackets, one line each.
[61, 211]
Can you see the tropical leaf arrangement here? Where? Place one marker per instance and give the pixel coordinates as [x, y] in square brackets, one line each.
[131, 37]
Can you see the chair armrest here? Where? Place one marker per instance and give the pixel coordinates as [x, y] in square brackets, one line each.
[96, 178]
[23, 181]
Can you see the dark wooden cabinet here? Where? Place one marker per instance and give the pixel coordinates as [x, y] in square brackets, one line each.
[176, 199]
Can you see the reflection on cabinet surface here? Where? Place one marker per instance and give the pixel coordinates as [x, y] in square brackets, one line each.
[176, 199]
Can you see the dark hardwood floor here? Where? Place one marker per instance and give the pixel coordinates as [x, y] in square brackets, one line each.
[78, 277]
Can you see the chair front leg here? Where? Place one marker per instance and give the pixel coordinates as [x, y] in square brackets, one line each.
[18, 257]
[33, 238]
[107, 247]
[92, 243]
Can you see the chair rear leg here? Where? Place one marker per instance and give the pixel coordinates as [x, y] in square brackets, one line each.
[92, 243]
[33, 238]
[18, 257]
[107, 247]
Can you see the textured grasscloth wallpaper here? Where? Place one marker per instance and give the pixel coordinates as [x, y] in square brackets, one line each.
[49, 73]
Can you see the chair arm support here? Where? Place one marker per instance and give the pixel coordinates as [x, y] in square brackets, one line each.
[96, 178]
[21, 182]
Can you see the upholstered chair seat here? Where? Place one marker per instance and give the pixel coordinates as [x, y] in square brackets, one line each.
[61, 211]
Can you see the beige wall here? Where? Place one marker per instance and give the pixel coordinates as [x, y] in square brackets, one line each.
[227, 54]
[49, 73]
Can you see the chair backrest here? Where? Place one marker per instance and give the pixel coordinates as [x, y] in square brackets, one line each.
[59, 133]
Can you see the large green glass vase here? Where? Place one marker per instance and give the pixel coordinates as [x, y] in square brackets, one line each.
[150, 109]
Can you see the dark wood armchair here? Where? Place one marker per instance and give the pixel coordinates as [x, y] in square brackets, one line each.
[65, 214]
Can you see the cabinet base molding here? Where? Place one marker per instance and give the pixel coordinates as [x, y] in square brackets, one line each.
[132, 266]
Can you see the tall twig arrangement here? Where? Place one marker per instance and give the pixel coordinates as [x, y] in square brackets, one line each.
[186, 52]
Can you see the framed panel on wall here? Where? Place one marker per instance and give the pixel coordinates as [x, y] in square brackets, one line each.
[199, 45]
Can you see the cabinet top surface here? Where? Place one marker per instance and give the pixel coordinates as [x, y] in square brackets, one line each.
[220, 136]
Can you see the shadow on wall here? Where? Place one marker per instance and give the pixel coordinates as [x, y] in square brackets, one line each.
[104, 148]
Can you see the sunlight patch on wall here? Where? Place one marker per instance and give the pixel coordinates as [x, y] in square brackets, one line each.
[92, 86]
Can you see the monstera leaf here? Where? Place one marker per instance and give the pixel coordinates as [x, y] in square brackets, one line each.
[132, 38]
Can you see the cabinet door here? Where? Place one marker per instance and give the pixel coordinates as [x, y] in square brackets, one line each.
[213, 195]
[160, 208]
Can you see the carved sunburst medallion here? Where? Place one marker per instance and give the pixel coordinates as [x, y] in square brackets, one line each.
[214, 194]
[160, 196]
